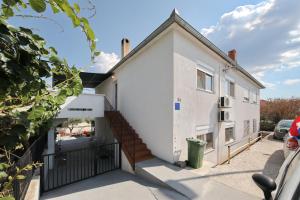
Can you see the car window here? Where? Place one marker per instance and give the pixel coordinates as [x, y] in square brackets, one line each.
[285, 124]
[290, 177]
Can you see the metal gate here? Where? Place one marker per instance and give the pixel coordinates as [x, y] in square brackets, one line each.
[71, 166]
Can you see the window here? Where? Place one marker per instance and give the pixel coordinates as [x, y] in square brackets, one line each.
[247, 95]
[229, 88]
[209, 138]
[246, 127]
[255, 96]
[254, 126]
[229, 134]
[204, 81]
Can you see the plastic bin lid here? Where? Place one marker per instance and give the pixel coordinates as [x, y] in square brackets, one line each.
[194, 140]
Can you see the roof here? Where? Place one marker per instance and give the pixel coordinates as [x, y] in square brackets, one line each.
[89, 80]
[175, 18]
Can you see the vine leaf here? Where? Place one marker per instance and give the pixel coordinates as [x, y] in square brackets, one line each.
[7, 11]
[76, 8]
[38, 5]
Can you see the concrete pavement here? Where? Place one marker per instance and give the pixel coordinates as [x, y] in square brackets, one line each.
[114, 185]
[265, 157]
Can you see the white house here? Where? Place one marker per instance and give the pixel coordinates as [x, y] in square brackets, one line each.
[174, 85]
[169, 88]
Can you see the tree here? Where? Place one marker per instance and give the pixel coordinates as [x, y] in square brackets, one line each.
[274, 110]
[26, 104]
[71, 123]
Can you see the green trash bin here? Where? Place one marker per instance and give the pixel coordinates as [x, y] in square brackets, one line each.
[195, 152]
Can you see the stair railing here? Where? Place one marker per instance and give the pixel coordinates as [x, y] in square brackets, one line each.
[126, 139]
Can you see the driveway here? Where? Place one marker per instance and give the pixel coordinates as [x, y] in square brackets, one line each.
[265, 157]
[114, 185]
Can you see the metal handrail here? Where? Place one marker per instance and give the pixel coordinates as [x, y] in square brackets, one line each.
[231, 154]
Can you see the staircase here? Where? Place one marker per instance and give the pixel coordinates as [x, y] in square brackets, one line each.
[132, 145]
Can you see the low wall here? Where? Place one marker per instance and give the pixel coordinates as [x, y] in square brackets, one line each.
[33, 191]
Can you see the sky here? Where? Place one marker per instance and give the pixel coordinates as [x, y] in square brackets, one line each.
[266, 34]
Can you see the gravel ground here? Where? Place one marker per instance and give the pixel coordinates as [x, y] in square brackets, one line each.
[265, 157]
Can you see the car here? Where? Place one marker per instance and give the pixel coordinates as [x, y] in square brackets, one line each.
[282, 128]
[287, 184]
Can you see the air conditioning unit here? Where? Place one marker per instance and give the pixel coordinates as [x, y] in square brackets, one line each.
[225, 102]
[224, 116]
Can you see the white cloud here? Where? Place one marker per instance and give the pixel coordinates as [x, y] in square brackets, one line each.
[104, 62]
[291, 81]
[266, 35]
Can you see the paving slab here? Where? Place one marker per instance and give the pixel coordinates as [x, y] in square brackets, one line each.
[190, 184]
[114, 185]
[264, 157]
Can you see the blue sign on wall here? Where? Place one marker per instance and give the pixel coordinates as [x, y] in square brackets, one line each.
[177, 106]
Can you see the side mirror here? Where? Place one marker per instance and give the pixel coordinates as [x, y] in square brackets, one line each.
[266, 184]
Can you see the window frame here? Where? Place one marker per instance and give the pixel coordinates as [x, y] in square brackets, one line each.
[206, 73]
[246, 98]
[254, 124]
[204, 135]
[244, 134]
[204, 130]
[227, 84]
[233, 135]
[255, 96]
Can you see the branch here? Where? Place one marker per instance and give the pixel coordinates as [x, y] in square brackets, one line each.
[42, 17]
[91, 8]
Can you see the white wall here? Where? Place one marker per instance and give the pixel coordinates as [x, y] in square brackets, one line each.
[90, 101]
[164, 72]
[145, 91]
[200, 108]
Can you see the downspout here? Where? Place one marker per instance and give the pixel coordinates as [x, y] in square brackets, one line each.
[219, 124]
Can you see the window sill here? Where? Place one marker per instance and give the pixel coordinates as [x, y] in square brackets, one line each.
[207, 91]
[208, 151]
[229, 142]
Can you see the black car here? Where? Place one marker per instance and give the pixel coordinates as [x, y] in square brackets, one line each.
[282, 128]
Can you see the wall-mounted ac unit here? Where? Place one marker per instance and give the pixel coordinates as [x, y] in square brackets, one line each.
[224, 116]
[225, 102]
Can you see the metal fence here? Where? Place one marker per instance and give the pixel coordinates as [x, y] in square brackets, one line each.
[67, 167]
[32, 154]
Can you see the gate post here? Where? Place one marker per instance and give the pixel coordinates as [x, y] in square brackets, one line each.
[120, 155]
[95, 161]
[42, 175]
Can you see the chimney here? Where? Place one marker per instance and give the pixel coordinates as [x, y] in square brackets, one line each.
[232, 54]
[125, 47]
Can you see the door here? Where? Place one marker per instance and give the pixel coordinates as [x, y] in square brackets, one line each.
[116, 96]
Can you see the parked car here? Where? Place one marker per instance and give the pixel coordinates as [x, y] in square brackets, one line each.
[282, 128]
[287, 184]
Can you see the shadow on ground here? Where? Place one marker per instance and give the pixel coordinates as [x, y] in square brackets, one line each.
[273, 164]
[123, 182]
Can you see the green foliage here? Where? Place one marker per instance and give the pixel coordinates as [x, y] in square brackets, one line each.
[70, 123]
[57, 6]
[38, 5]
[25, 102]
[9, 173]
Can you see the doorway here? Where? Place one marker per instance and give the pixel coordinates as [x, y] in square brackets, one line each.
[116, 96]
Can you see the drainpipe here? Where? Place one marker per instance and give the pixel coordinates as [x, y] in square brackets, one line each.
[219, 124]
